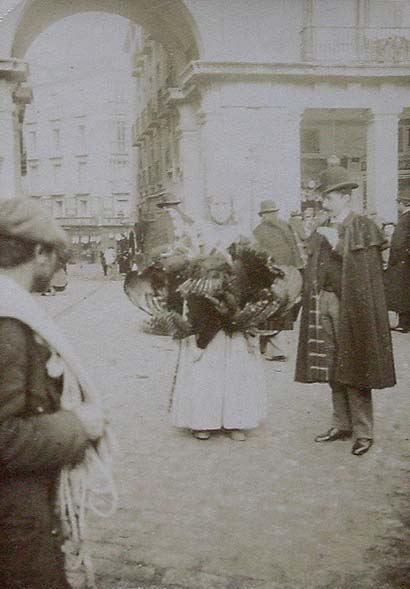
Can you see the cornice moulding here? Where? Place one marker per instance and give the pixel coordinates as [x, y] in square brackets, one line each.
[13, 69]
[201, 71]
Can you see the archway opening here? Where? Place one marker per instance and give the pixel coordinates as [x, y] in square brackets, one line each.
[80, 152]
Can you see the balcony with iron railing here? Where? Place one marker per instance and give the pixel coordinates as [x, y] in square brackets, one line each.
[365, 45]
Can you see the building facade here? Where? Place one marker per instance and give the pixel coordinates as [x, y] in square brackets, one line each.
[258, 98]
[156, 135]
[79, 155]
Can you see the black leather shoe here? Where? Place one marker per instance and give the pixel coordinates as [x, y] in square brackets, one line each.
[361, 446]
[334, 434]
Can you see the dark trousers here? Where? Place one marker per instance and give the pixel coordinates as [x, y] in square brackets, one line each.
[404, 321]
[30, 535]
[352, 407]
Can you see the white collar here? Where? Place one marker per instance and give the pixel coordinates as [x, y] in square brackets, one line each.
[341, 216]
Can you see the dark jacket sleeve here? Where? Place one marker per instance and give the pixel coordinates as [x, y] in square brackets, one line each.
[400, 245]
[31, 443]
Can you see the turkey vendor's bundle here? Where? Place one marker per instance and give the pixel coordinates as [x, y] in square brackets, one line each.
[217, 293]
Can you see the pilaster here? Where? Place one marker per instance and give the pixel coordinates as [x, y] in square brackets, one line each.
[383, 164]
[190, 159]
[286, 164]
[10, 171]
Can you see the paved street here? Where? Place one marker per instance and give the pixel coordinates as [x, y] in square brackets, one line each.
[275, 512]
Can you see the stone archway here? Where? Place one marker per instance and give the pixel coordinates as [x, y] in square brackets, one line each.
[168, 22]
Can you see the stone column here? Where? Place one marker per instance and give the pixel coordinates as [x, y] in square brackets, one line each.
[227, 134]
[277, 171]
[287, 181]
[10, 173]
[383, 164]
[188, 136]
[250, 153]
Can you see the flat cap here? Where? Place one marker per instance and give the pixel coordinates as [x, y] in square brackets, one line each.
[28, 220]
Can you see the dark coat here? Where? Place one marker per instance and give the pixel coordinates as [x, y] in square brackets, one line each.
[365, 357]
[275, 238]
[397, 275]
[37, 439]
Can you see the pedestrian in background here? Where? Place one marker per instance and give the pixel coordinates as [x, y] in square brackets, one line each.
[110, 260]
[398, 270]
[103, 262]
[296, 224]
[388, 230]
[275, 238]
[41, 440]
[344, 335]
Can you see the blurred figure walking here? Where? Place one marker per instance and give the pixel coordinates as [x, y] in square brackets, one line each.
[398, 269]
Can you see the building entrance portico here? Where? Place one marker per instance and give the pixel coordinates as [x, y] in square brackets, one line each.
[368, 144]
[362, 127]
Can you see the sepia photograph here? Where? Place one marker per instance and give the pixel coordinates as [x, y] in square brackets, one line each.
[204, 294]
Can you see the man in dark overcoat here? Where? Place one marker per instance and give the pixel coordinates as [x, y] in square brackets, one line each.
[37, 437]
[275, 238]
[344, 335]
[398, 270]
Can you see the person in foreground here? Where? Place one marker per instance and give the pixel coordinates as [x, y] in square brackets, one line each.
[50, 420]
[344, 334]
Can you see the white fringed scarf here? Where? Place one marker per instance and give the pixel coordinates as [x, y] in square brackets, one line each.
[89, 484]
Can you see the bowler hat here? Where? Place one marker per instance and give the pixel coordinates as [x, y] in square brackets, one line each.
[336, 178]
[268, 206]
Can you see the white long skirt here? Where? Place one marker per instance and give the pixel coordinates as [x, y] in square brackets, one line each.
[222, 386]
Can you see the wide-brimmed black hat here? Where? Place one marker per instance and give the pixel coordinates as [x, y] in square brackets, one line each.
[336, 178]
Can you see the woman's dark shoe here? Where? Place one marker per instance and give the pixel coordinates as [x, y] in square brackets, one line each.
[334, 434]
[361, 446]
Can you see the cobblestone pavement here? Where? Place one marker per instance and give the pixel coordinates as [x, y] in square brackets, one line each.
[275, 512]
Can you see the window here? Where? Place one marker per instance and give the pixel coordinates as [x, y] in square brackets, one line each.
[81, 137]
[310, 139]
[404, 137]
[120, 169]
[32, 141]
[58, 208]
[122, 206]
[108, 206]
[82, 207]
[81, 172]
[34, 177]
[56, 139]
[120, 135]
[70, 207]
[57, 168]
